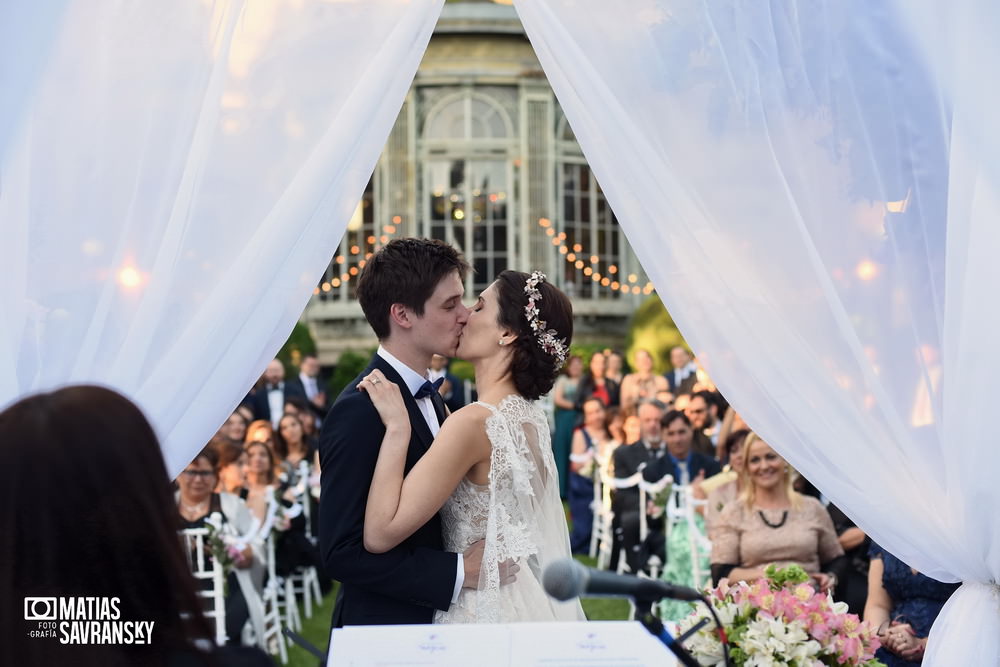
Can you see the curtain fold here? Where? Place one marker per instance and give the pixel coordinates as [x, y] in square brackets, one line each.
[811, 186]
[173, 181]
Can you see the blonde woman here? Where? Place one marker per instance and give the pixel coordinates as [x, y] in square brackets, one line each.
[772, 523]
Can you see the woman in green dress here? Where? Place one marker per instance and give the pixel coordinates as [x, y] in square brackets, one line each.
[566, 416]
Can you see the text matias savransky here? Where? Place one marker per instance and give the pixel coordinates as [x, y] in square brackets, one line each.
[84, 620]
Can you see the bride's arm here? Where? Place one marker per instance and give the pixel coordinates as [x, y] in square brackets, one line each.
[398, 506]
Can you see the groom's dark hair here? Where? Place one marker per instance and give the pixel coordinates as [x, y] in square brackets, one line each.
[404, 271]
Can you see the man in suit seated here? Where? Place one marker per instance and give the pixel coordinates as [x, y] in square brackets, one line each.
[681, 460]
[628, 460]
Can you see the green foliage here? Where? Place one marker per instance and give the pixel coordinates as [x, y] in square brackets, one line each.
[586, 350]
[792, 575]
[300, 343]
[653, 329]
[348, 366]
[462, 370]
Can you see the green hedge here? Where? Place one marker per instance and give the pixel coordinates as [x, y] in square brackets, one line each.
[652, 328]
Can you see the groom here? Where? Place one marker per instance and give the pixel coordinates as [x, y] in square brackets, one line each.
[411, 293]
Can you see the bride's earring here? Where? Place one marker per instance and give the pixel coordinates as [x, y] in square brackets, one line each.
[502, 342]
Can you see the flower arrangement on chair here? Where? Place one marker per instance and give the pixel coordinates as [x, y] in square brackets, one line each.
[780, 619]
[224, 546]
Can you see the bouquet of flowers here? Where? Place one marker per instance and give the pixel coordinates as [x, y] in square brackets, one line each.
[224, 547]
[780, 620]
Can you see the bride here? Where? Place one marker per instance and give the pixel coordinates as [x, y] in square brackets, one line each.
[490, 471]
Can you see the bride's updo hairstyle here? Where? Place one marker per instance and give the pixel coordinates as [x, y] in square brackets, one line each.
[533, 367]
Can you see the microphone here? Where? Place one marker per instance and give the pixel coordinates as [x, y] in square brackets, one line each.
[566, 579]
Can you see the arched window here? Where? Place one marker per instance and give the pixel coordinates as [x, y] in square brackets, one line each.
[467, 181]
[597, 261]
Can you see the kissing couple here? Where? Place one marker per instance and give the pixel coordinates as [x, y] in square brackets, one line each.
[429, 517]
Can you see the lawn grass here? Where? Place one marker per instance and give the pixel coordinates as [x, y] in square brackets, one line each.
[316, 630]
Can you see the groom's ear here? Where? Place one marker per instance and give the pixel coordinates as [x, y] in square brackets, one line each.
[401, 315]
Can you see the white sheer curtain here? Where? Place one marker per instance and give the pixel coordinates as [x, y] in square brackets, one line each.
[813, 188]
[174, 178]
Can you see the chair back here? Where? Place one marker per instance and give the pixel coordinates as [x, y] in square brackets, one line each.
[204, 568]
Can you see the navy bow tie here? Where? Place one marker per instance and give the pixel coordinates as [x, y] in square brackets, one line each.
[429, 388]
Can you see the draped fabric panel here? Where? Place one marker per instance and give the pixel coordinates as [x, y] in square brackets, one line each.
[174, 178]
[812, 187]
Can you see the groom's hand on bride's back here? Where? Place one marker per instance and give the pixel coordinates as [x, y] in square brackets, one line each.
[473, 561]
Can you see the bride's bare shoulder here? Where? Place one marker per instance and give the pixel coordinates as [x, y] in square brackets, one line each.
[472, 415]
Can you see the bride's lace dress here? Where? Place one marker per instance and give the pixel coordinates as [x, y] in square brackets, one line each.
[520, 516]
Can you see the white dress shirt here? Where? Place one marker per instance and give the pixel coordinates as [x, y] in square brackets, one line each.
[413, 381]
[309, 384]
[276, 403]
[681, 374]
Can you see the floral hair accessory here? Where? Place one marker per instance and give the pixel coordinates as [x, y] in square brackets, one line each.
[547, 338]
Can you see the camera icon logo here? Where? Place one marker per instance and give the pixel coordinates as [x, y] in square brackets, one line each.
[40, 609]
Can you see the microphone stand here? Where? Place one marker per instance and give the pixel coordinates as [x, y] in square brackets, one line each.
[655, 627]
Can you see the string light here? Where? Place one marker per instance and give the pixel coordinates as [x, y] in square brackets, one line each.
[577, 257]
[355, 252]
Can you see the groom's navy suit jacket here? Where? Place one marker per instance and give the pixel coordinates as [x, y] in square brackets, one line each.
[406, 584]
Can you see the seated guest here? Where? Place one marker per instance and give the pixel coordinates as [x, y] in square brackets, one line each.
[731, 423]
[263, 493]
[292, 448]
[853, 586]
[260, 430]
[594, 383]
[87, 511]
[592, 448]
[615, 366]
[232, 465]
[724, 488]
[298, 407]
[235, 427]
[196, 502]
[702, 411]
[616, 425]
[682, 461]
[902, 604]
[643, 384]
[682, 378]
[261, 478]
[626, 461]
[772, 523]
[632, 429]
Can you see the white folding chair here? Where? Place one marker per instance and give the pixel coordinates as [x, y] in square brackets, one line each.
[602, 535]
[205, 568]
[273, 637]
[304, 581]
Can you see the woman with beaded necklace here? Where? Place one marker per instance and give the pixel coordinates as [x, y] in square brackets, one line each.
[490, 471]
[772, 523]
